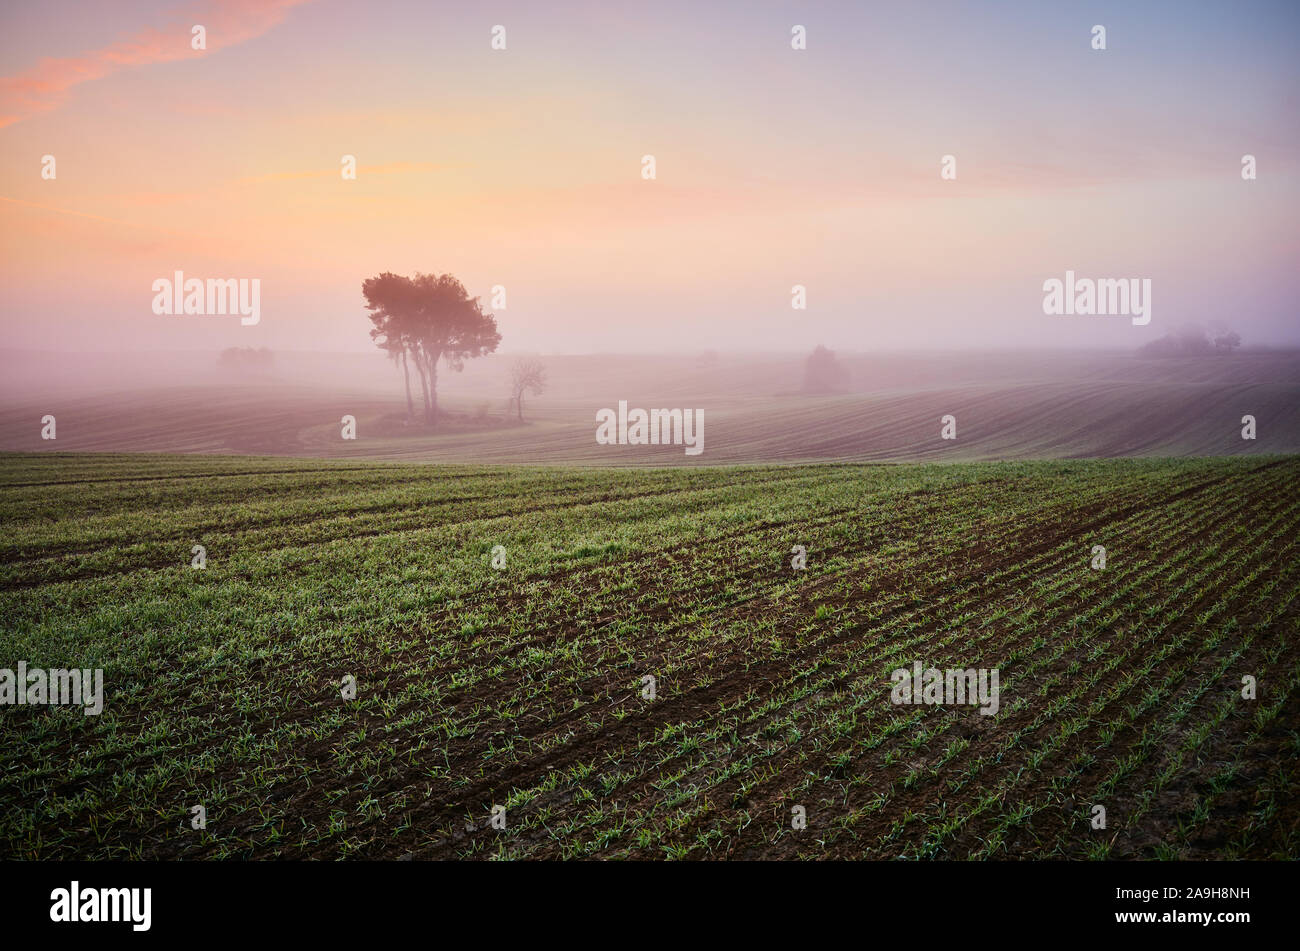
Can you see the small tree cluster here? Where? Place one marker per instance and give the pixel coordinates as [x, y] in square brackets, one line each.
[421, 320]
[1191, 342]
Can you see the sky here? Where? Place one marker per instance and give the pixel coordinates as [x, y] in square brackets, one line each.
[774, 167]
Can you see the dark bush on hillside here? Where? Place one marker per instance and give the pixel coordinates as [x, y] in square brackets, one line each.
[823, 373]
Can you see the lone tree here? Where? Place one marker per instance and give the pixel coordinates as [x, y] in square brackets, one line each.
[822, 373]
[527, 374]
[422, 320]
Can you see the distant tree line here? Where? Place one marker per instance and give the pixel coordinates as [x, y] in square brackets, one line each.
[1191, 342]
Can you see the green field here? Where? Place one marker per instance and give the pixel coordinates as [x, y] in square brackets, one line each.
[522, 686]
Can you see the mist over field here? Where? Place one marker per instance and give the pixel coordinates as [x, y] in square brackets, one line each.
[1011, 405]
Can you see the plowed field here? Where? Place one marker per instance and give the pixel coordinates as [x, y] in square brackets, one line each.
[523, 685]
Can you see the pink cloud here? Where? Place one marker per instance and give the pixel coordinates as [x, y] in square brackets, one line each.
[227, 22]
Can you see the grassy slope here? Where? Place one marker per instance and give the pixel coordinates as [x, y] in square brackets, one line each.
[522, 686]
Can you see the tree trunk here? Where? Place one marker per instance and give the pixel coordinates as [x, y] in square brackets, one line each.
[424, 382]
[433, 386]
[519, 406]
[406, 375]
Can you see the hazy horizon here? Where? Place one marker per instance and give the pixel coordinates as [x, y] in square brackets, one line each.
[775, 167]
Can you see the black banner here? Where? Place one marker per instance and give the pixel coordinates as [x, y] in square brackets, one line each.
[1220, 901]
